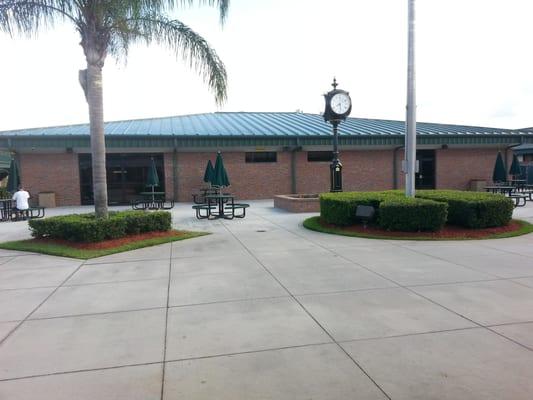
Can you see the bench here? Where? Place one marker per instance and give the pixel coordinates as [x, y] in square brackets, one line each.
[36, 212]
[527, 192]
[32, 212]
[152, 205]
[203, 207]
[239, 206]
[519, 199]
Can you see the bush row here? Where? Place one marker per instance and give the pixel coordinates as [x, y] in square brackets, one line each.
[412, 215]
[472, 209]
[430, 210]
[339, 208]
[87, 228]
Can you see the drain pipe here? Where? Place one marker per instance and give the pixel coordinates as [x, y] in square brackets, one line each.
[175, 182]
[293, 150]
[507, 166]
[395, 167]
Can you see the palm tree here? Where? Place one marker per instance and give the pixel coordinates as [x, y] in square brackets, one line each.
[110, 27]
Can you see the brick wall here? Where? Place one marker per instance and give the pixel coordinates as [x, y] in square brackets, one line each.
[455, 168]
[248, 180]
[362, 170]
[57, 173]
[168, 162]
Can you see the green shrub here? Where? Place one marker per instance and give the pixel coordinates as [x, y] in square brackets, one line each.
[472, 209]
[4, 194]
[87, 228]
[339, 208]
[469, 209]
[412, 215]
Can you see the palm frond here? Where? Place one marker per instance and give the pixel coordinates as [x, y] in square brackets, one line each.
[29, 17]
[223, 5]
[183, 41]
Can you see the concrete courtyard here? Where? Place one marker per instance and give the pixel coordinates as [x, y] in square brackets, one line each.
[264, 309]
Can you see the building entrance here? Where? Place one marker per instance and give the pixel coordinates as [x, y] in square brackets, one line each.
[425, 177]
[126, 176]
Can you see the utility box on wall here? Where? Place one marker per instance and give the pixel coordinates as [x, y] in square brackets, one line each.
[478, 185]
[47, 199]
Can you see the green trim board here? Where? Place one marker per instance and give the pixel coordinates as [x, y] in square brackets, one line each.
[28, 143]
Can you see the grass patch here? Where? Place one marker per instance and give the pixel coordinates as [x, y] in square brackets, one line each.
[515, 228]
[73, 250]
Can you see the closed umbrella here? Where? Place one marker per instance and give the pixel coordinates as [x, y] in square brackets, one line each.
[13, 181]
[515, 166]
[220, 176]
[209, 172]
[153, 178]
[500, 173]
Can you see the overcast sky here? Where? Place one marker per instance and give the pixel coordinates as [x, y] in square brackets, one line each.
[474, 64]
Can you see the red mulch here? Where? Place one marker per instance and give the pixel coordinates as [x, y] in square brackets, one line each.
[448, 232]
[112, 243]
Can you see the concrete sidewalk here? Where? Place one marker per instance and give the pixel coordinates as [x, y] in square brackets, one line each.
[264, 309]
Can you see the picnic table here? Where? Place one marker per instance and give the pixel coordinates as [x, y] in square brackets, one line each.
[5, 209]
[518, 183]
[9, 213]
[500, 189]
[220, 206]
[221, 200]
[152, 201]
[199, 198]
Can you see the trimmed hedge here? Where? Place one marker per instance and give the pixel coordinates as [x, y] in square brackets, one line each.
[87, 228]
[473, 209]
[339, 208]
[468, 209]
[412, 215]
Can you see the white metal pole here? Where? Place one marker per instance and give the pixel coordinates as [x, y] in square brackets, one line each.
[410, 123]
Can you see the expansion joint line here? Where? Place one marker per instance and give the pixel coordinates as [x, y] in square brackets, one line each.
[488, 328]
[166, 324]
[308, 313]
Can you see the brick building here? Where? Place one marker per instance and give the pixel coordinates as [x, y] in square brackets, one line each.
[265, 154]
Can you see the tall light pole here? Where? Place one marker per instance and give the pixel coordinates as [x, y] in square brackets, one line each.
[410, 120]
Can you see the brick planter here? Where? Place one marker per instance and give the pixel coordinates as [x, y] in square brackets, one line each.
[298, 203]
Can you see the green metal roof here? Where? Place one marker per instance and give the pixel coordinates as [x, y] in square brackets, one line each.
[256, 129]
[258, 124]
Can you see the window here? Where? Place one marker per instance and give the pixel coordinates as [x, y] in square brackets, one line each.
[262, 156]
[317, 156]
[126, 176]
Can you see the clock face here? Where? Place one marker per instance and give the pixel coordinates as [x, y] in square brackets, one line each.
[340, 103]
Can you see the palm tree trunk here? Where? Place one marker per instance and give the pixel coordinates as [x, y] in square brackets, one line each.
[96, 119]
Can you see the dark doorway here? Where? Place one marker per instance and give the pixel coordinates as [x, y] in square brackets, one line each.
[126, 176]
[425, 177]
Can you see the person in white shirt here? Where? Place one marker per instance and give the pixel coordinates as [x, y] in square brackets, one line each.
[21, 200]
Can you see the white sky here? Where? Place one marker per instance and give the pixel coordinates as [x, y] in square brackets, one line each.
[474, 64]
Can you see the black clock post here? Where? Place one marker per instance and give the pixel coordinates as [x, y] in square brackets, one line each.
[338, 107]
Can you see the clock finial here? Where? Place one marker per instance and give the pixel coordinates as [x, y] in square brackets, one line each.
[334, 84]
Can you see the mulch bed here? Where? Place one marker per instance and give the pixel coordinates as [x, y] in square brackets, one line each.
[112, 243]
[448, 232]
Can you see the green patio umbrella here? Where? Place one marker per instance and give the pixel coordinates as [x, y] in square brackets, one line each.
[153, 179]
[220, 176]
[209, 172]
[13, 181]
[515, 167]
[500, 173]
